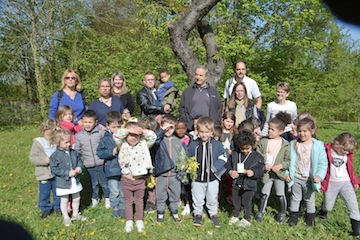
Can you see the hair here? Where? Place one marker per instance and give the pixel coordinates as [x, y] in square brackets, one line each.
[203, 67]
[244, 138]
[181, 120]
[104, 80]
[61, 112]
[77, 83]
[89, 114]
[205, 122]
[218, 132]
[283, 85]
[58, 135]
[346, 139]
[163, 70]
[281, 119]
[233, 130]
[48, 124]
[149, 73]
[168, 118]
[308, 122]
[255, 121]
[150, 123]
[238, 61]
[113, 116]
[196, 117]
[246, 125]
[123, 89]
[232, 100]
[132, 124]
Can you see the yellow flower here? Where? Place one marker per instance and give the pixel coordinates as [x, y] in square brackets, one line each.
[144, 233]
[92, 233]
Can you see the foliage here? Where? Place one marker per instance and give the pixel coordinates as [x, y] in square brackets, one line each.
[187, 167]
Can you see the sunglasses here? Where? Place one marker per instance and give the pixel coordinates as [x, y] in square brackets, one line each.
[72, 78]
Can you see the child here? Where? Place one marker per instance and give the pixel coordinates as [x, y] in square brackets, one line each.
[341, 179]
[308, 165]
[108, 151]
[276, 152]
[168, 186]
[40, 153]
[194, 134]
[211, 158]
[86, 143]
[281, 104]
[245, 166]
[65, 117]
[65, 164]
[217, 133]
[135, 162]
[166, 92]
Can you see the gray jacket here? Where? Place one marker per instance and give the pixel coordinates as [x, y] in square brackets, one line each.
[86, 144]
[37, 156]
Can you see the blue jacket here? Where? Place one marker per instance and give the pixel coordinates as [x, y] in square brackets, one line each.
[105, 151]
[319, 163]
[61, 164]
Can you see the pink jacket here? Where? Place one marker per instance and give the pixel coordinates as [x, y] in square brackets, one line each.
[73, 128]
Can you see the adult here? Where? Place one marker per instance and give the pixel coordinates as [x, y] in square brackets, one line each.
[239, 103]
[119, 89]
[106, 103]
[146, 98]
[69, 94]
[253, 91]
[200, 99]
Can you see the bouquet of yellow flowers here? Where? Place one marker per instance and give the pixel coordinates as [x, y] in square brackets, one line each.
[186, 167]
[150, 182]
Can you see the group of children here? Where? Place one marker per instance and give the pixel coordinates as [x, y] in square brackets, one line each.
[122, 158]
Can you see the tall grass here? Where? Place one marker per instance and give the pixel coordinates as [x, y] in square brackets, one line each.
[19, 193]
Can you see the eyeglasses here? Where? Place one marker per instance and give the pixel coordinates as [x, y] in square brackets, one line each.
[72, 78]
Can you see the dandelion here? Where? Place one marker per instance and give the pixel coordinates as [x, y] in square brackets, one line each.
[143, 233]
[92, 233]
[73, 234]
[146, 222]
[4, 185]
[10, 174]
[123, 220]
[47, 225]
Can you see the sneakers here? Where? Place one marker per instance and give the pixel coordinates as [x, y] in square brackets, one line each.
[67, 222]
[94, 202]
[160, 217]
[45, 214]
[186, 210]
[78, 218]
[176, 218]
[197, 220]
[244, 223]
[233, 220]
[128, 226]
[107, 203]
[215, 220]
[140, 225]
[149, 208]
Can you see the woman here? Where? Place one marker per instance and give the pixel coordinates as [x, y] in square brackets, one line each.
[106, 103]
[119, 89]
[69, 94]
[240, 105]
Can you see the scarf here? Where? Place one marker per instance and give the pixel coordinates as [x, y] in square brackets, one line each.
[239, 111]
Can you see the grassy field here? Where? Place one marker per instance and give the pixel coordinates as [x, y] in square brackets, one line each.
[19, 191]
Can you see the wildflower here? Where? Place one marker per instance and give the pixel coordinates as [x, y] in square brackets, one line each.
[92, 233]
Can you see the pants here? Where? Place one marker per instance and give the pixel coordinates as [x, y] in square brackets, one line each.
[168, 186]
[97, 177]
[279, 188]
[45, 189]
[242, 198]
[347, 193]
[116, 194]
[134, 191]
[302, 189]
[202, 191]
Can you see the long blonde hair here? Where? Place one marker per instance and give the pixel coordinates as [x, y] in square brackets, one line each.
[78, 81]
[123, 89]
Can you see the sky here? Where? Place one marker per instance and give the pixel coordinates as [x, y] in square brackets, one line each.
[353, 30]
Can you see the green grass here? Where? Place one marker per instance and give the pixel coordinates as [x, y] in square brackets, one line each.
[18, 203]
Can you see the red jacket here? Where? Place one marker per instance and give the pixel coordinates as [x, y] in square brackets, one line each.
[349, 166]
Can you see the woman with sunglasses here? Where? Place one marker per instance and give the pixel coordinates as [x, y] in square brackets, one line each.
[69, 94]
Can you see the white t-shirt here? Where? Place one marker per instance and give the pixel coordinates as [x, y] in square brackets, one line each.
[338, 170]
[250, 84]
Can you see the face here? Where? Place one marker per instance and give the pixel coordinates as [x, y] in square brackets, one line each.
[114, 126]
[70, 80]
[170, 131]
[149, 81]
[246, 149]
[240, 70]
[65, 142]
[342, 150]
[305, 133]
[164, 77]
[118, 82]
[240, 92]
[88, 123]
[68, 116]
[180, 129]
[200, 77]
[204, 133]
[47, 134]
[104, 89]
[133, 139]
[228, 123]
[274, 131]
[281, 94]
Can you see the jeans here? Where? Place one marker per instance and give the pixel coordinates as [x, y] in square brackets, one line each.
[116, 194]
[97, 176]
[45, 189]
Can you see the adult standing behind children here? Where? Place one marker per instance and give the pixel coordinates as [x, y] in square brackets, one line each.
[86, 143]
[120, 89]
[69, 94]
[200, 99]
[253, 91]
[166, 92]
[106, 103]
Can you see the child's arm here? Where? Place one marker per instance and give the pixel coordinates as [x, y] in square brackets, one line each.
[322, 164]
[149, 137]
[56, 170]
[119, 136]
[256, 171]
[106, 150]
[77, 146]
[286, 161]
[37, 154]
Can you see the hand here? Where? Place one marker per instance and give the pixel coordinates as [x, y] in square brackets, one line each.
[267, 167]
[229, 151]
[102, 127]
[167, 108]
[135, 130]
[73, 173]
[249, 173]
[115, 151]
[316, 179]
[128, 176]
[356, 186]
[80, 122]
[277, 168]
[233, 174]
[166, 126]
[288, 179]
[47, 160]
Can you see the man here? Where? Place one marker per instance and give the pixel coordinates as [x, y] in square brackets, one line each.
[252, 88]
[200, 99]
[146, 98]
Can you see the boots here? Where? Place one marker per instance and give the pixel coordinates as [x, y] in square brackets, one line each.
[310, 219]
[294, 218]
[260, 214]
[355, 225]
[322, 214]
[282, 209]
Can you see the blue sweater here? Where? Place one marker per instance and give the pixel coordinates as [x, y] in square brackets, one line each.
[105, 151]
[77, 105]
[102, 109]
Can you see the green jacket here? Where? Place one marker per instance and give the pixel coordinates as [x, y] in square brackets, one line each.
[170, 96]
[283, 158]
